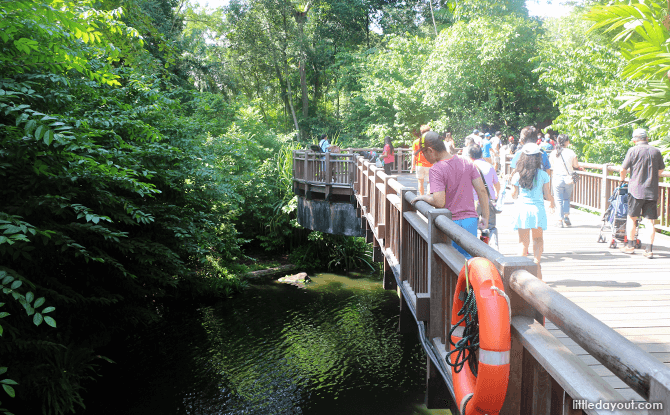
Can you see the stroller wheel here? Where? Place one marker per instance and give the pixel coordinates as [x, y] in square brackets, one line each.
[638, 244]
[613, 244]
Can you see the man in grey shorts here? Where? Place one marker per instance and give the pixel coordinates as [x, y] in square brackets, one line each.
[646, 165]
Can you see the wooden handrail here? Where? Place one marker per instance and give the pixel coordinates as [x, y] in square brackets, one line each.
[425, 267]
[630, 363]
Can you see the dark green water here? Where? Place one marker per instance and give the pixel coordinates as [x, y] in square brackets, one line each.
[332, 348]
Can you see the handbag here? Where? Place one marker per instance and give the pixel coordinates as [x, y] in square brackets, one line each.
[493, 207]
[379, 163]
[572, 177]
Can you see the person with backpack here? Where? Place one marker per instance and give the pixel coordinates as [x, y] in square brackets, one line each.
[420, 163]
[453, 178]
[324, 144]
[491, 183]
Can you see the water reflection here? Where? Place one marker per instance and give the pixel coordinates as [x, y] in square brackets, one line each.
[332, 348]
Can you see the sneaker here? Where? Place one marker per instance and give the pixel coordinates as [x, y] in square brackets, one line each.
[648, 254]
[567, 221]
[627, 249]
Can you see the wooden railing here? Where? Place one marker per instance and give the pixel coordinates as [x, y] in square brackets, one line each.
[310, 167]
[545, 376]
[597, 184]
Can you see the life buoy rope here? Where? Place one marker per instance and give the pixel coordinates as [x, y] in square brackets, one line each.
[481, 316]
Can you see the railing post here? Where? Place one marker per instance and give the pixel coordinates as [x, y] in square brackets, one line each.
[659, 392]
[380, 205]
[329, 173]
[388, 282]
[406, 322]
[520, 307]
[295, 185]
[403, 246]
[306, 169]
[436, 283]
[387, 213]
[365, 184]
[603, 189]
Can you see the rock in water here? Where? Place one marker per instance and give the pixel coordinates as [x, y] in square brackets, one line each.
[299, 279]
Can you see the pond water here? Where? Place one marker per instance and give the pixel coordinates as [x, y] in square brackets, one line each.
[331, 348]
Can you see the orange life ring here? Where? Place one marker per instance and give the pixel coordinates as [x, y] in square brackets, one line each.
[485, 393]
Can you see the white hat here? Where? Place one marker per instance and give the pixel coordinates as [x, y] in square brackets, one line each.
[530, 149]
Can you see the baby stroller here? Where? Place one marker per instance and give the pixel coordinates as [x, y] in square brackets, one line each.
[615, 217]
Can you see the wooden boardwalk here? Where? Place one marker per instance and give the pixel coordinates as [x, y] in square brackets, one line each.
[629, 293]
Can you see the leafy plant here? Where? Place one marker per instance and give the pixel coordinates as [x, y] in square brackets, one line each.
[638, 30]
[582, 72]
[9, 287]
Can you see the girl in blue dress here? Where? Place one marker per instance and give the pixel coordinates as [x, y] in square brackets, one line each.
[530, 187]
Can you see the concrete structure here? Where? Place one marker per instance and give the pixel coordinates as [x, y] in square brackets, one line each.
[337, 218]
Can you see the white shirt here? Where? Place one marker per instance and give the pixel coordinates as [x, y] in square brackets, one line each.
[495, 144]
[557, 165]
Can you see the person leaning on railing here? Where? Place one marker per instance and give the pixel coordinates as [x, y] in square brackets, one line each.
[453, 179]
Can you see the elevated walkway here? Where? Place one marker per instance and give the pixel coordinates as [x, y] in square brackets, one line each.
[599, 352]
[629, 293]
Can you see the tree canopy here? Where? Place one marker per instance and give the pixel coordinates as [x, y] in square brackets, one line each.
[146, 146]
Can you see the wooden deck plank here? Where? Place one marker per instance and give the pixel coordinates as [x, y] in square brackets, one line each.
[629, 293]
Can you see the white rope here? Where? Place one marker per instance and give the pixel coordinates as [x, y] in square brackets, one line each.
[502, 294]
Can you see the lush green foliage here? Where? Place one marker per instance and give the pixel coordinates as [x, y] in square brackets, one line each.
[333, 252]
[477, 74]
[146, 146]
[639, 32]
[582, 73]
[481, 75]
[123, 190]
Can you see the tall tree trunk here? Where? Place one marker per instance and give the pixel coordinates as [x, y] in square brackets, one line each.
[290, 103]
[317, 86]
[338, 103]
[282, 85]
[367, 28]
[300, 19]
[303, 87]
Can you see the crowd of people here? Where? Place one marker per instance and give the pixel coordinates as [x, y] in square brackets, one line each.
[543, 169]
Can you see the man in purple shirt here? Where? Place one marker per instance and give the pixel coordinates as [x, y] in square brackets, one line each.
[453, 179]
[646, 165]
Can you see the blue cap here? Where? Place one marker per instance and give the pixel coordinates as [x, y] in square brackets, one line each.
[487, 135]
[476, 131]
